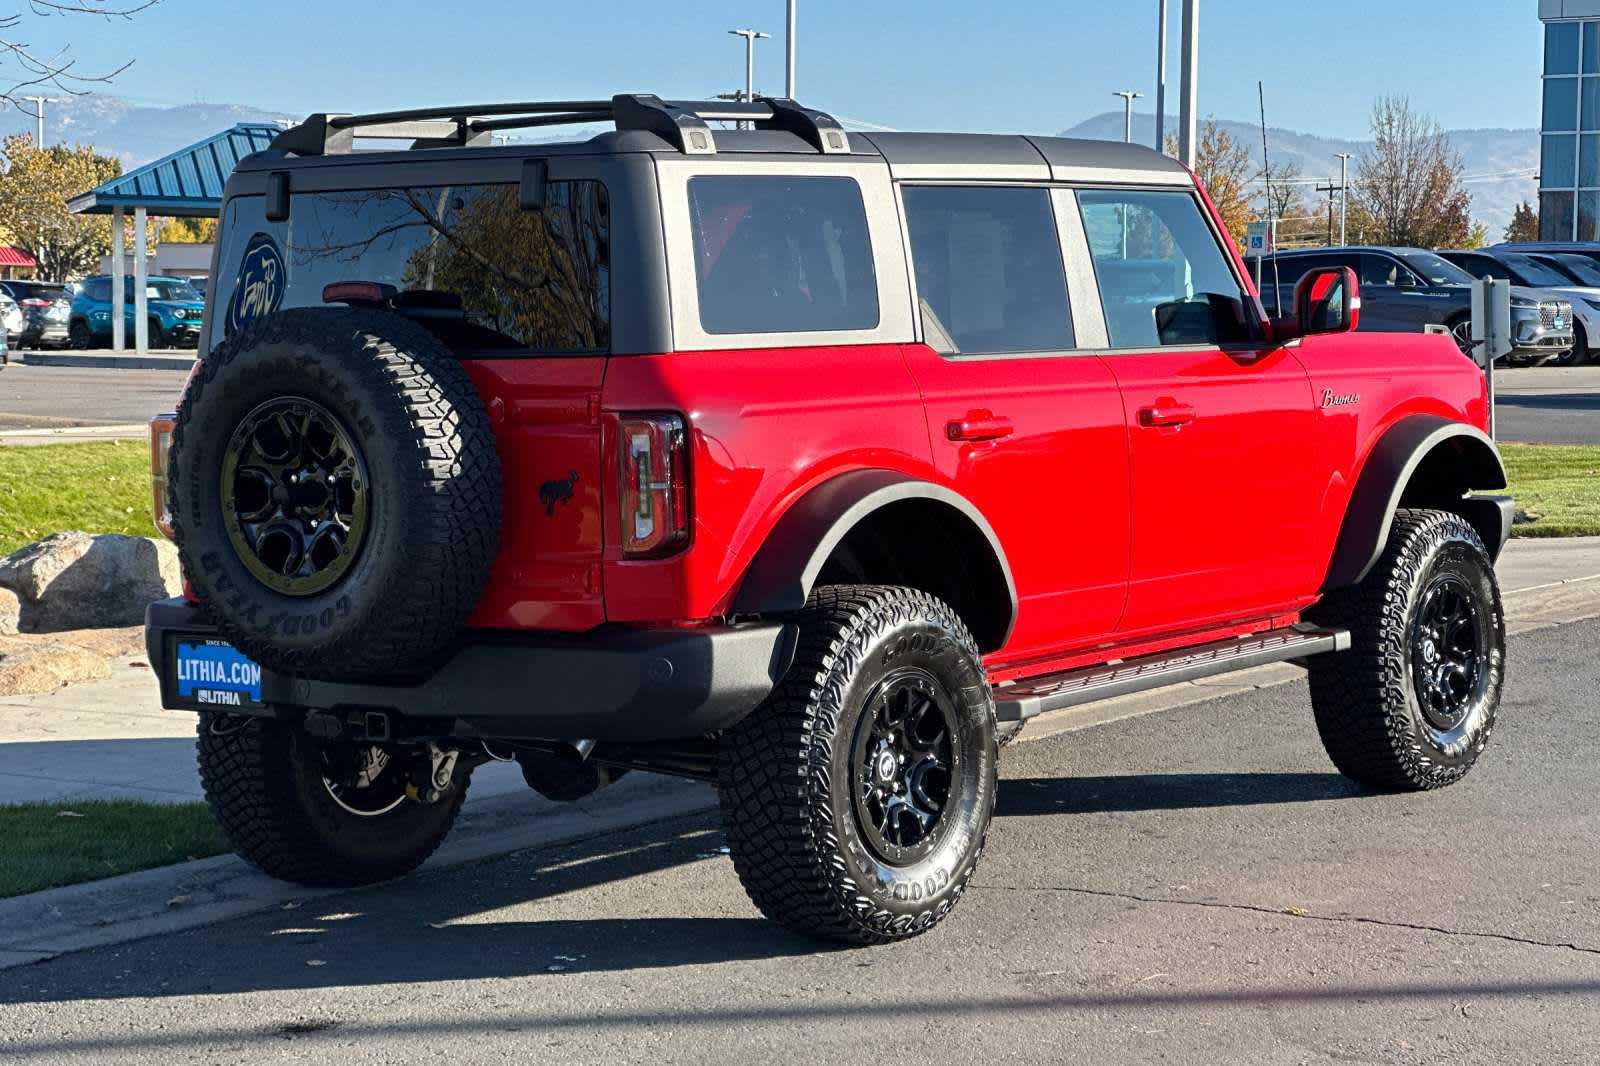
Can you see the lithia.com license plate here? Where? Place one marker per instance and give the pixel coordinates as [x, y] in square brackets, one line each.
[211, 673]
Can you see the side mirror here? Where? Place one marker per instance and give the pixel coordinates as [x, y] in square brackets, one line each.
[1325, 301]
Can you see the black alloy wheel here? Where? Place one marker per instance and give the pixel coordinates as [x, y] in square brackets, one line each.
[902, 764]
[296, 495]
[1449, 653]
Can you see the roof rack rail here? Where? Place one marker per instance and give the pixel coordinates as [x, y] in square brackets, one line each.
[682, 123]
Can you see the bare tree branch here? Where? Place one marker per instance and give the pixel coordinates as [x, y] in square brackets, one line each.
[27, 67]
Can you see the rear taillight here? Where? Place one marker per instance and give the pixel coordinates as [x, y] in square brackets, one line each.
[34, 301]
[655, 485]
[160, 444]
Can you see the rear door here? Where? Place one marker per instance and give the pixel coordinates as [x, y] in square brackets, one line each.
[1223, 489]
[1024, 424]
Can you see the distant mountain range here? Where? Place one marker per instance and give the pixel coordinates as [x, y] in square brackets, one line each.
[1499, 163]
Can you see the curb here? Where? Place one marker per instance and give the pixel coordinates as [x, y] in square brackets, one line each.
[114, 360]
[170, 899]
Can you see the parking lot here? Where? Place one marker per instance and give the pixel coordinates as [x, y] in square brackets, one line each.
[1190, 886]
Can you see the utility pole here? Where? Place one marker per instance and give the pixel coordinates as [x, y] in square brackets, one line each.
[1161, 76]
[1128, 97]
[750, 39]
[38, 114]
[1344, 194]
[788, 41]
[1188, 97]
[1330, 189]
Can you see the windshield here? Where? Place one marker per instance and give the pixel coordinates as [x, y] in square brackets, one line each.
[1581, 268]
[165, 289]
[1536, 273]
[1436, 269]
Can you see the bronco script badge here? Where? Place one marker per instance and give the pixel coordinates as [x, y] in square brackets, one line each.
[1334, 399]
[258, 290]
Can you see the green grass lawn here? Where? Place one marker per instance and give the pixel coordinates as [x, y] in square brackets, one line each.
[102, 487]
[44, 845]
[1558, 482]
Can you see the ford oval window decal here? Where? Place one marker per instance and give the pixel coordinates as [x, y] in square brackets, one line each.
[258, 290]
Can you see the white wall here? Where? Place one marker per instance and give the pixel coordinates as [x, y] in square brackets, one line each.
[189, 260]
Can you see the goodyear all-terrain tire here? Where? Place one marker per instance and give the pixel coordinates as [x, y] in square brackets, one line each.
[335, 493]
[1412, 704]
[293, 807]
[857, 798]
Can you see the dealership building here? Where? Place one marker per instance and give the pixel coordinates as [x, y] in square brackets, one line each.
[1569, 157]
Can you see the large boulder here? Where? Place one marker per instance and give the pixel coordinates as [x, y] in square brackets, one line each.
[83, 581]
[10, 612]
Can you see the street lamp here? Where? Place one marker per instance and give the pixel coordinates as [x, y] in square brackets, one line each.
[1344, 193]
[750, 39]
[1128, 97]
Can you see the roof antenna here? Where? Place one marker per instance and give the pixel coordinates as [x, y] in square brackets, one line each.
[1272, 223]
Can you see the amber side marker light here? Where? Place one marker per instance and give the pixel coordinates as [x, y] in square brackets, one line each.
[161, 427]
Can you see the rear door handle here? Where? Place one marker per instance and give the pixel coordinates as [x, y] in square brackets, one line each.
[1166, 415]
[984, 427]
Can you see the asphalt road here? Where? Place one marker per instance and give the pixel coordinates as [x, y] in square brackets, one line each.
[1192, 886]
[1546, 405]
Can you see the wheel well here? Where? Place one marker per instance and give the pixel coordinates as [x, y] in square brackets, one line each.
[928, 545]
[1451, 469]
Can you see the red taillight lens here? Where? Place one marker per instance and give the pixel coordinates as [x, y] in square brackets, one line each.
[34, 301]
[655, 485]
[160, 444]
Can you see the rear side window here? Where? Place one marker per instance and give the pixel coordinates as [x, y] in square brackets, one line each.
[782, 255]
[465, 260]
[989, 272]
[1163, 277]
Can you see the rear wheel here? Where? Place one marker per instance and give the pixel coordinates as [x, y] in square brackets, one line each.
[858, 796]
[78, 335]
[1411, 705]
[321, 813]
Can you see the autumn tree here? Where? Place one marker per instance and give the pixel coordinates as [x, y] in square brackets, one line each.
[1408, 187]
[33, 205]
[1284, 199]
[1222, 163]
[1524, 224]
[189, 231]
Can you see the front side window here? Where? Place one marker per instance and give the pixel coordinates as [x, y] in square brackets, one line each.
[989, 273]
[780, 254]
[1163, 277]
[467, 261]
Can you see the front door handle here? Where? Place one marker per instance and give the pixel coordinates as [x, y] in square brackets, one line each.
[979, 426]
[1166, 415]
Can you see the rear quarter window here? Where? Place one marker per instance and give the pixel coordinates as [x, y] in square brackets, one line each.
[491, 276]
[779, 254]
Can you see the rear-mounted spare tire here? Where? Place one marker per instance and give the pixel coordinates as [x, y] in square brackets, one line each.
[336, 492]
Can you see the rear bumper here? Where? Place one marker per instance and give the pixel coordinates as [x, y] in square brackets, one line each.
[619, 685]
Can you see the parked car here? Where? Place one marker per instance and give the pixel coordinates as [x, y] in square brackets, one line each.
[1588, 249]
[174, 308]
[11, 318]
[615, 455]
[45, 308]
[1533, 271]
[1406, 289]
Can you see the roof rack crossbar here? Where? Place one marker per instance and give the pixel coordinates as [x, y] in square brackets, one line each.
[682, 123]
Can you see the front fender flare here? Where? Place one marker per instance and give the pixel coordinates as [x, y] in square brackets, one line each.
[1386, 476]
[785, 569]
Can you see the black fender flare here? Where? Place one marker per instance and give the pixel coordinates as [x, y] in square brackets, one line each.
[785, 569]
[1387, 474]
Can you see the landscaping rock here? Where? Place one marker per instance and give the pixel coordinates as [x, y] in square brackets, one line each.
[83, 581]
[10, 612]
[30, 664]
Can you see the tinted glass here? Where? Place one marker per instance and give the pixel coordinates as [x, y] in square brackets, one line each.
[782, 255]
[1589, 215]
[1163, 277]
[989, 273]
[1591, 48]
[98, 289]
[163, 289]
[1560, 104]
[1482, 266]
[1558, 165]
[470, 264]
[1581, 269]
[1436, 269]
[1561, 48]
[1532, 272]
[1555, 216]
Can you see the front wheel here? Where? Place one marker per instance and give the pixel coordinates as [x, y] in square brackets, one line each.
[857, 797]
[321, 813]
[1411, 705]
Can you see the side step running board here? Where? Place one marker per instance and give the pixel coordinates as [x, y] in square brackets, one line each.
[1025, 699]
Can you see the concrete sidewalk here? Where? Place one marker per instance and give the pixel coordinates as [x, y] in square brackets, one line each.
[112, 740]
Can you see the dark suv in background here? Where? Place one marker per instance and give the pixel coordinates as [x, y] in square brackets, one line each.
[1404, 290]
[45, 306]
[1572, 277]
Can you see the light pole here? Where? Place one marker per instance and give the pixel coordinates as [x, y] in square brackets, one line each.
[1190, 89]
[38, 114]
[788, 40]
[1344, 193]
[1161, 76]
[750, 39]
[1128, 97]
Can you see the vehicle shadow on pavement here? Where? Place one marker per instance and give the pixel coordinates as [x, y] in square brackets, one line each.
[1166, 792]
[1564, 401]
[505, 917]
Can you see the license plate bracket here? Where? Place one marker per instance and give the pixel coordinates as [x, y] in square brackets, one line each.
[204, 673]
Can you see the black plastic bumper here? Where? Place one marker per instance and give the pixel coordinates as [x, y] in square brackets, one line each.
[608, 684]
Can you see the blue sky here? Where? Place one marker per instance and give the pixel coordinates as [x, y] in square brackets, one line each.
[1026, 65]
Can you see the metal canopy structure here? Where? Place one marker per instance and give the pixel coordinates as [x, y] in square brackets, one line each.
[187, 183]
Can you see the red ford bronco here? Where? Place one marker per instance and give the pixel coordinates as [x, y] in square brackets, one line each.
[809, 463]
